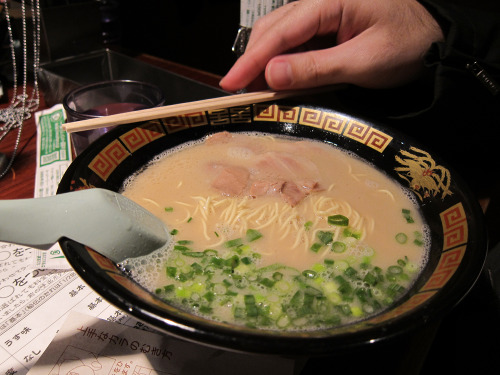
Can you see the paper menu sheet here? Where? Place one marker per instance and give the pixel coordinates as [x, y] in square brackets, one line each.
[34, 303]
[87, 345]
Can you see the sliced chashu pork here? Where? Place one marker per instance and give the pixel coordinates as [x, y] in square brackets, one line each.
[283, 173]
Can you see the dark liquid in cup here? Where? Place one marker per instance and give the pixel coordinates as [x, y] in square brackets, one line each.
[114, 108]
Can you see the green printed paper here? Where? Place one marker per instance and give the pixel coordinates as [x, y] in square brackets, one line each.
[54, 145]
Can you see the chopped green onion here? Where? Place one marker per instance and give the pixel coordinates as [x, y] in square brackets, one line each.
[275, 296]
[418, 238]
[209, 296]
[338, 247]
[401, 238]
[365, 264]
[250, 306]
[183, 277]
[283, 321]
[339, 220]
[407, 215]
[252, 310]
[308, 225]
[232, 262]
[318, 268]
[189, 220]
[395, 289]
[246, 260]
[253, 235]
[362, 294]
[169, 288]
[370, 278]
[277, 276]
[249, 299]
[194, 254]
[344, 309]
[239, 313]
[267, 282]
[171, 271]
[197, 268]
[310, 274]
[341, 265]
[182, 292]
[234, 243]
[217, 262]
[205, 309]
[394, 270]
[316, 246]
[169, 209]
[350, 272]
[173, 232]
[325, 237]
[349, 232]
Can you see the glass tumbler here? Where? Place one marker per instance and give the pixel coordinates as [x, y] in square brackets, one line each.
[104, 99]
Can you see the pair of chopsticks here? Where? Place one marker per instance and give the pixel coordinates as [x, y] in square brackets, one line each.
[186, 108]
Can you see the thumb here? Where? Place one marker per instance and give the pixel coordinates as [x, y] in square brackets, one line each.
[364, 61]
[301, 70]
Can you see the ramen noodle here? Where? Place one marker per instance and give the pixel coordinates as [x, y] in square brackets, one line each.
[277, 233]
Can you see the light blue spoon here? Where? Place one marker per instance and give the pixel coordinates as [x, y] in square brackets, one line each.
[108, 222]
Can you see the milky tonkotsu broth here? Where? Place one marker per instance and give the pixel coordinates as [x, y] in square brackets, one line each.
[277, 234]
[178, 189]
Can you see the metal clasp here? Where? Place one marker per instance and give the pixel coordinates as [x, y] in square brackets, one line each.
[480, 73]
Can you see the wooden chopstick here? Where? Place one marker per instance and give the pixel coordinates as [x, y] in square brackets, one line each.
[184, 108]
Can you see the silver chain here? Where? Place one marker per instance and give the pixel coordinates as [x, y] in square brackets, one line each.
[21, 106]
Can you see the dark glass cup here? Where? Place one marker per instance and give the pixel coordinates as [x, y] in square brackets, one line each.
[104, 99]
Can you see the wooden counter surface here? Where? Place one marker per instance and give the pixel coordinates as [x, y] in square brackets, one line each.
[19, 182]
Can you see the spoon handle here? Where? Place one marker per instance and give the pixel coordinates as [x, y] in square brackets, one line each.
[106, 221]
[32, 222]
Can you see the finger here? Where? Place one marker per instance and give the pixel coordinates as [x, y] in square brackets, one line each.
[243, 72]
[367, 60]
[258, 83]
[276, 34]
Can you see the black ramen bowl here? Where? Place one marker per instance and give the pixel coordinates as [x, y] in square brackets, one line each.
[458, 235]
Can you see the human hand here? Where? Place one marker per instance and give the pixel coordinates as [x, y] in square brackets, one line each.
[309, 43]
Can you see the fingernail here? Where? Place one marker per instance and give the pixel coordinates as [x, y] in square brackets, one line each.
[279, 74]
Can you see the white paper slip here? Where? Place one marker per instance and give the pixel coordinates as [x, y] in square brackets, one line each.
[53, 157]
[252, 10]
[87, 345]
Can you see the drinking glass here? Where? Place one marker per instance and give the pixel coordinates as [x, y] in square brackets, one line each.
[104, 99]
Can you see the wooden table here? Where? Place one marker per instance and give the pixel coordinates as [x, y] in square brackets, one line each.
[19, 182]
